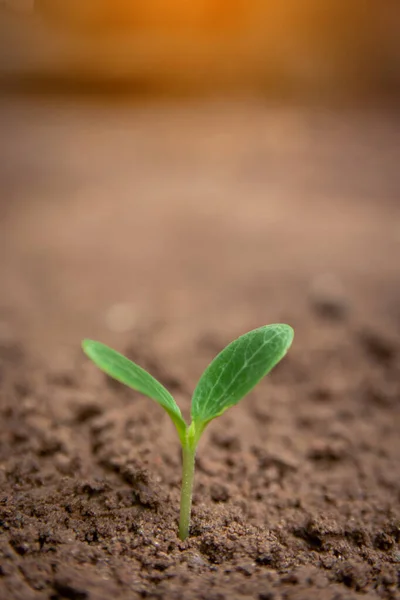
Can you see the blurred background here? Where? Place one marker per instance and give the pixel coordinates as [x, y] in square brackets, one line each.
[196, 165]
[297, 48]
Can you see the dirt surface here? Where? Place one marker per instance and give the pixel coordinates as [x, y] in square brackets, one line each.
[166, 231]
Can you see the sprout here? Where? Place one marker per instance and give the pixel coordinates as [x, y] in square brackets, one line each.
[228, 378]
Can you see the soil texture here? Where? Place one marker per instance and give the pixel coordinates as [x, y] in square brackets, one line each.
[167, 231]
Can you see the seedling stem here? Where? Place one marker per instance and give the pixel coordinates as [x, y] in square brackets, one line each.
[188, 462]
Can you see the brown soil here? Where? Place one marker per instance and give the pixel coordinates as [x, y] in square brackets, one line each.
[205, 221]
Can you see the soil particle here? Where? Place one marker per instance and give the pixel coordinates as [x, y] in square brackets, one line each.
[328, 298]
[381, 346]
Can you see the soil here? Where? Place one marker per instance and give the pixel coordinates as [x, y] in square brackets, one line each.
[166, 231]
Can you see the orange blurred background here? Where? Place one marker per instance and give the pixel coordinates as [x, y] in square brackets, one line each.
[296, 47]
[125, 179]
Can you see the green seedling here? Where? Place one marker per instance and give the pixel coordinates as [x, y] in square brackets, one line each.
[226, 380]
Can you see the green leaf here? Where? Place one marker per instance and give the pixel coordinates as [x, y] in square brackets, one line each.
[236, 370]
[124, 370]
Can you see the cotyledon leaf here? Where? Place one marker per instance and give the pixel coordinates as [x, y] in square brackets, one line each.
[237, 369]
[124, 370]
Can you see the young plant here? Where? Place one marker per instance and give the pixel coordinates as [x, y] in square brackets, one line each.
[226, 380]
